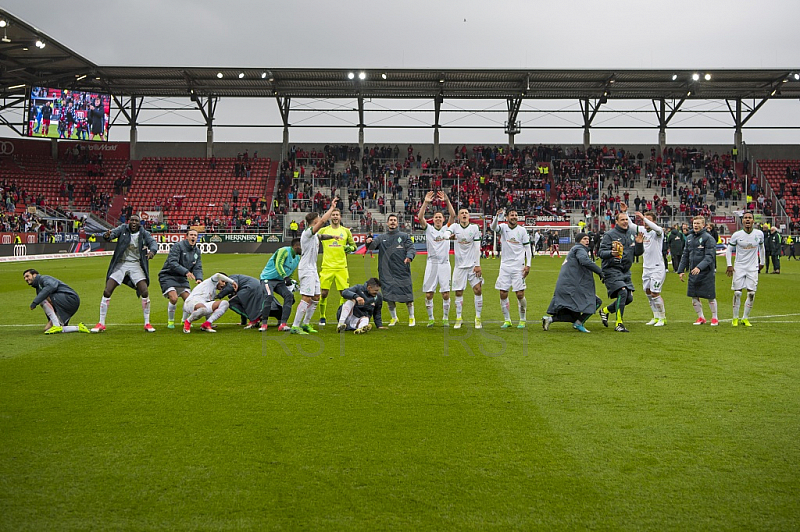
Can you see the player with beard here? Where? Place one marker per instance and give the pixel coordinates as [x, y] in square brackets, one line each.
[437, 266]
[59, 302]
[184, 264]
[129, 265]
[396, 251]
[515, 264]
[334, 272]
[617, 250]
[467, 249]
[750, 257]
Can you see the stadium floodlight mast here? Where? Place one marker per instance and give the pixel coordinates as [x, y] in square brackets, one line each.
[241, 75]
[695, 76]
[351, 75]
[707, 77]
[40, 43]
[3, 23]
[219, 75]
[362, 75]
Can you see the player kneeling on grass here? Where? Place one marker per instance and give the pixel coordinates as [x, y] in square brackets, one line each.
[129, 265]
[183, 265]
[364, 301]
[203, 304]
[574, 299]
[59, 302]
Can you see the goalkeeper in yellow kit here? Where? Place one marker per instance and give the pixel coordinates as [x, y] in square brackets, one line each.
[334, 261]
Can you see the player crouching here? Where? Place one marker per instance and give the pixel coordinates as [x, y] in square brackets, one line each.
[364, 301]
[202, 302]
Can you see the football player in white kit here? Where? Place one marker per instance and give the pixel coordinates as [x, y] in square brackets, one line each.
[201, 302]
[467, 250]
[515, 264]
[750, 258]
[653, 272]
[307, 269]
[437, 267]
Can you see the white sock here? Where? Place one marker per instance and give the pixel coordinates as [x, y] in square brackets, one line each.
[712, 304]
[652, 302]
[446, 309]
[70, 329]
[410, 310]
[347, 309]
[185, 315]
[478, 305]
[223, 306]
[104, 309]
[310, 312]
[362, 322]
[505, 306]
[698, 307]
[459, 306]
[658, 307]
[171, 307]
[737, 303]
[429, 307]
[51, 313]
[300, 314]
[748, 304]
[197, 314]
[146, 309]
[522, 304]
[392, 309]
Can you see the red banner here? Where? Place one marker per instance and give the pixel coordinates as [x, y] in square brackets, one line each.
[109, 150]
[41, 148]
[27, 238]
[16, 146]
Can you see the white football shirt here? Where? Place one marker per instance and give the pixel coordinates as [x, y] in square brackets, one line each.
[653, 246]
[438, 243]
[747, 249]
[309, 246]
[513, 243]
[467, 246]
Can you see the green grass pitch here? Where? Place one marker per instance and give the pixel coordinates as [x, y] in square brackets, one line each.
[677, 428]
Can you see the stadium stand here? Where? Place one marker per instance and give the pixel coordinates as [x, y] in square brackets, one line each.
[218, 189]
[782, 176]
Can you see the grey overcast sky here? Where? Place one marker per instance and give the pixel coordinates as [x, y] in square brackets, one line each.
[689, 34]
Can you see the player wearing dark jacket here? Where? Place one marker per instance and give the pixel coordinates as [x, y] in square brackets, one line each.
[700, 258]
[364, 301]
[618, 248]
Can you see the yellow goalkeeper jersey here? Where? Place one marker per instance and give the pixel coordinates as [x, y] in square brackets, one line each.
[333, 253]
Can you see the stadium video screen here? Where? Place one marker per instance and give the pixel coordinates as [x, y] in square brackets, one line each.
[67, 114]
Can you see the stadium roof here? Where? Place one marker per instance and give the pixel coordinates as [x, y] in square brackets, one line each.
[23, 64]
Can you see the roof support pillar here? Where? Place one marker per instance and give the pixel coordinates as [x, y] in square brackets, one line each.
[284, 104]
[662, 126]
[361, 125]
[437, 110]
[737, 132]
[512, 126]
[136, 106]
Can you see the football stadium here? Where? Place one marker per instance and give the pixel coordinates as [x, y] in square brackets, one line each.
[374, 331]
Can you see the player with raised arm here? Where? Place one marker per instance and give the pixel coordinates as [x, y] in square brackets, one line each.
[750, 258]
[653, 272]
[202, 302]
[307, 270]
[515, 264]
[183, 265]
[59, 302]
[334, 271]
[129, 265]
[467, 249]
[437, 267]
